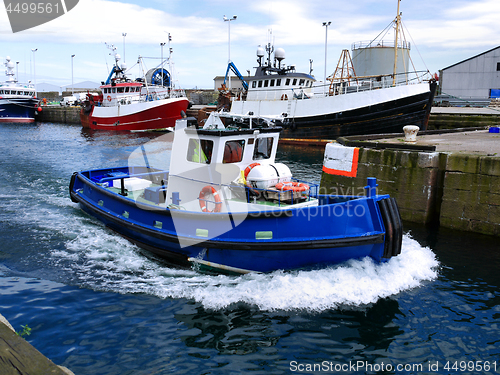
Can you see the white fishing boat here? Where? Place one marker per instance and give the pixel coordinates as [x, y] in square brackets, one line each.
[18, 102]
[346, 105]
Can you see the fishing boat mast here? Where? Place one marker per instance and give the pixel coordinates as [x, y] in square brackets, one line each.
[398, 23]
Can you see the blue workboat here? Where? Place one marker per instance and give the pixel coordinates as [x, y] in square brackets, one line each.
[226, 205]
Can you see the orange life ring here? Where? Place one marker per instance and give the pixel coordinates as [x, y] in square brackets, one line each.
[109, 98]
[284, 97]
[293, 186]
[249, 168]
[209, 190]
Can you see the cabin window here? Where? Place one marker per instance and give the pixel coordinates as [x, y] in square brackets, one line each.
[260, 83]
[263, 148]
[272, 83]
[254, 84]
[278, 82]
[26, 93]
[1, 92]
[200, 150]
[287, 82]
[301, 82]
[266, 83]
[121, 90]
[7, 92]
[233, 151]
[113, 90]
[498, 66]
[127, 89]
[294, 82]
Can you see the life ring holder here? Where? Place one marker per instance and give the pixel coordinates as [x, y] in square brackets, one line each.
[209, 190]
[109, 98]
[293, 186]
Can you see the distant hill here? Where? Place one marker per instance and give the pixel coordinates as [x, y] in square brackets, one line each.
[46, 87]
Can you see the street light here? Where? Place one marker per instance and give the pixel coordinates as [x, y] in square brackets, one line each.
[228, 20]
[124, 35]
[162, 44]
[161, 66]
[326, 24]
[34, 67]
[72, 86]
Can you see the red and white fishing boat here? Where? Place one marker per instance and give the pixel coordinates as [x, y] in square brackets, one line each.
[151, 102]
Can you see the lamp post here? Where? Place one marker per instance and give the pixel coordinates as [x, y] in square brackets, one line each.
[326, 24]
[34, 67]
[228, 20]
[72, 86]
[124, 35]
[17, 71]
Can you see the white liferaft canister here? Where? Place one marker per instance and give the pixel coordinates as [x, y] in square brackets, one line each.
[266, 175]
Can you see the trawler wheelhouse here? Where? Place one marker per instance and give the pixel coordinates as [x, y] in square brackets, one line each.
[274, 82]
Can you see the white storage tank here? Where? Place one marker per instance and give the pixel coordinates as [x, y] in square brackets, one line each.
[376, 58]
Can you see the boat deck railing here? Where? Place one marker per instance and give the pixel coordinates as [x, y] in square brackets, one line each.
[338, 87]
[256, 195]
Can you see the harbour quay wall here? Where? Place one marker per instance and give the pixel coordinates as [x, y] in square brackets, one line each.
[454, 121]
[454, 190]
[65, 115]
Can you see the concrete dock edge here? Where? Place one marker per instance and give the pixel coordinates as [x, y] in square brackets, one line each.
[19, 357]
[457, 190]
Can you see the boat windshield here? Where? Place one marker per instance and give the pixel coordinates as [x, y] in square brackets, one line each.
[200, 150]
[263, 148]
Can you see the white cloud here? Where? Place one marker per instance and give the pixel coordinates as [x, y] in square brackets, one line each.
[445, 32]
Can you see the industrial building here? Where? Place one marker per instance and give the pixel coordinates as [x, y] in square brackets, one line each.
[477, 77]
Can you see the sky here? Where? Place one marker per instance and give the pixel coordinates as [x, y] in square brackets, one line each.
[441, 34]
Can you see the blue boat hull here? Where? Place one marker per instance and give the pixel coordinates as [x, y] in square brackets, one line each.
[336, 230]
[18, 109]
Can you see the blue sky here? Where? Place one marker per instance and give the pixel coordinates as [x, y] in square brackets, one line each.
[441, 33]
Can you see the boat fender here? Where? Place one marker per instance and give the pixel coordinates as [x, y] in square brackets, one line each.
[209, 190]
[293, 186]
[71, 185]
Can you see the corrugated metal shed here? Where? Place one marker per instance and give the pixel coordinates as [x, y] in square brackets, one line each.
[475, 77]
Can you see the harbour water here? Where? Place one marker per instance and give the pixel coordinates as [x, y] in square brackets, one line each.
[99, 305]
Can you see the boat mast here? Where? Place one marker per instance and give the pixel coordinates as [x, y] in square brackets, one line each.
[170, 82]
[140, 62]
[398, 21]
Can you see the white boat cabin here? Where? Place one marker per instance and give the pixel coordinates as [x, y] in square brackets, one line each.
[231, 169]
[274, 82]
[11, 89]
[131, 92]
